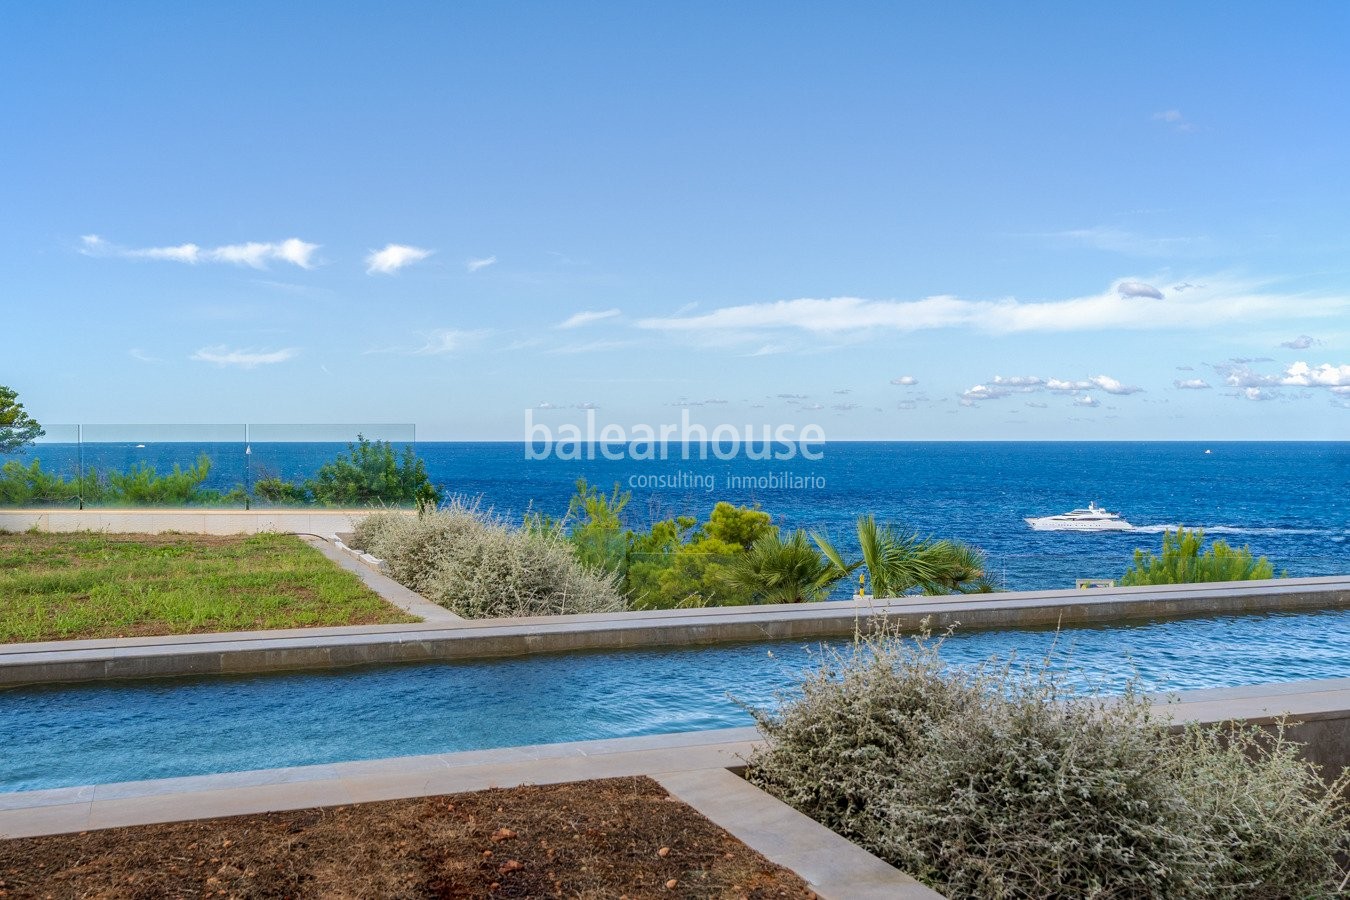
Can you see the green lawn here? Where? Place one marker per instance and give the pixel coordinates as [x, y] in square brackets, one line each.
[88, 585]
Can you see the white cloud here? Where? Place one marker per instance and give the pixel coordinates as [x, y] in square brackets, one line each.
[1256, 385]
[137, 353]
[1036, 404]
[1138, 289]
[438, 342]
[587, 317]
[1215, 304]
[473, 265]
[394, 257]
[544, 404]
[1237, 374]
[685, 401]
[1086, 400]
[983, 392]
[443, 341]
[1001, 386]
[1174, 118]
[1099, 382]
[1192, 384]
[244, 359]
[1302, 342]
[184, 253]
[1300, 374]
[905, 380]
[1111, 386]
[256, 254]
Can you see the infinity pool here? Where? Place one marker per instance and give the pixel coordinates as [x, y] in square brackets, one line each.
[63, 735]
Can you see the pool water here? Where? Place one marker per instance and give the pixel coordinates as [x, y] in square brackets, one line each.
[62, 735]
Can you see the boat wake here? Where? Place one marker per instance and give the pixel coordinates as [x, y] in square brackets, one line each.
[1237, 529]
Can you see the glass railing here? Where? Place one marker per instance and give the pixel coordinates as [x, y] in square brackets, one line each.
[222, 466]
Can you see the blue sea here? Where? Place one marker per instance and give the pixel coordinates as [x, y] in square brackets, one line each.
[1288, 501]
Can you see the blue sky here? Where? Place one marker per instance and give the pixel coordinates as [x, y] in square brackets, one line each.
[955, 221]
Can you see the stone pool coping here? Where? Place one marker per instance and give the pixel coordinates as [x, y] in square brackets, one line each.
[696, 767]
[452, 638]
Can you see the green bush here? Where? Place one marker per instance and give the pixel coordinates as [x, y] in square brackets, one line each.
[368, 474]
[31, 485]
[479, 567]
[142, 485]
[997, 782]
[676, 563]
[775, 570]
[371, 473]
[1182, 562]
[280, 492]
[900, 562]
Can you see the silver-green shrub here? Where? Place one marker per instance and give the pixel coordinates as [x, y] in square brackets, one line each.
[999, 782]
[480, 567]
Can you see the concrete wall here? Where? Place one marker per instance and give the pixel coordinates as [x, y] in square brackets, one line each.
[325, 522]
[1317, 712]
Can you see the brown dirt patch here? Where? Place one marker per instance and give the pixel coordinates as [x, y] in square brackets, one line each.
[620, 837]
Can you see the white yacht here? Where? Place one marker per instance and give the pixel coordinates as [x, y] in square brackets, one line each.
[1094, 518]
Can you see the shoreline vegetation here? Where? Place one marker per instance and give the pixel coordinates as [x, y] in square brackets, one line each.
[594, 559]
[369, 473]
[479, 565]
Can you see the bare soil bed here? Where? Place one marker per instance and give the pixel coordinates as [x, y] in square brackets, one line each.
[620, 837]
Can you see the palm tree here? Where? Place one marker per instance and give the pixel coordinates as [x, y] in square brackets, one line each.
[899, 562]
[775, 570]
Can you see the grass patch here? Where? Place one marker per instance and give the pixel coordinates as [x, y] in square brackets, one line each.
[93, 585]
